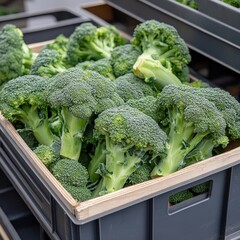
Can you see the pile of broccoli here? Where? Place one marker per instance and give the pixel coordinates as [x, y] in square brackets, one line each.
[102, 113]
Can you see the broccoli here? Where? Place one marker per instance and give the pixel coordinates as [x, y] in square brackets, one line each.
[28, 137]
[131, 138]
[98, 158]
[163, 53]
[78, 95]
[23, 99]
[59, 44]
[180, 197]
[47, 64]
[70, 172]
[130, 87]
[147, 105]
[225, 103]
[89, 42]
[74, 178]
[234, 3]
[102, 66]
[47, 155]
[123, 58]
[190, 119]
[16, 57]
[201, 188]
[78, 193]
[141, 174]
[189, 3]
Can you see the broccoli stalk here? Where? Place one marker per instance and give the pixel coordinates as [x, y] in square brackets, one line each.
[163, 53]
[72, 134]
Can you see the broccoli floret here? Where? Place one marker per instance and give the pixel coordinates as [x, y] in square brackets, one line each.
[180, 196]
[28, 137]
[130, 87]
[189, 3]
[47, 64]
[24, 99]
[59, 44]
[123, 58]
[131, 137]
[102, 66]
[147, 105]
[141, 174]
[89, 42]
[70, 172]
[234, 3]
[226, 104]
[79, 193]
[79, 95]
[201, 188]
[164, 53]
[47, 155]
[190, 118]
[16, 57]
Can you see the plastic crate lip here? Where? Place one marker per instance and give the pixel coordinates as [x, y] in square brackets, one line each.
[82, 212]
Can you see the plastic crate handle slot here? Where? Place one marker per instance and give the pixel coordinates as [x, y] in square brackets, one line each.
[188, 197]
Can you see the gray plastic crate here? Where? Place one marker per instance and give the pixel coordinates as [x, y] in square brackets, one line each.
[213, 30]
[138, 212]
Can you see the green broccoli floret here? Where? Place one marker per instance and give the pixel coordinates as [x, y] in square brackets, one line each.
[141, 174]
[89, 42]
[180, 196]
[189, 118]
[164, 53]
[16, 57]
[102, 66]
[123, 58]
[59, 44]
[148, 105]
[79, 193]
[28, 137]
[79, 95]
[201, 188]
[74, 178]
[189, 3]
[24, 99]
[131, 138]
[47, 64]
[226, 104]
[130, 87]
[47, 155]
[234, 3]
[70, 172]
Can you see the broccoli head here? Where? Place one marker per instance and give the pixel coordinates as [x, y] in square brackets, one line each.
[89, 42]
[16, 57]
[163, 53]
[131, 138]
[70, 172]
[131, 87]
[123, 58]
[47, 64]
[79, 95]
[24, 99]
[102, 66]
[190, 118]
